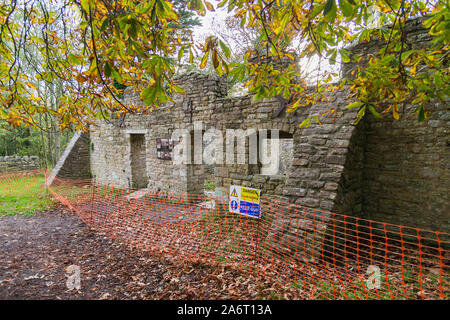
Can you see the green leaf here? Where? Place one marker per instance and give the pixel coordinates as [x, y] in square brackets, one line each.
[260, 94]
[438, 79]
[305, 123]
[329, 11]
[316, 119]
[142, 7]
[198, 6]
[107, 69]
[162, 97]
[178, 89]
[181, 53]
[116, 75]
[191, 55]
[149, 95]
[360, 114]
[428, 23]
[344, 56]
[85, 5]
[346, 8]
[133, 29]
[355, 104]
[225, 49]
[105, 24]
[316, 10]
[374, 112]
[420, 111]
[74, 60]
[219, 70]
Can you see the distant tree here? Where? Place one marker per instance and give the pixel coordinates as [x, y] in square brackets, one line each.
[187, 19]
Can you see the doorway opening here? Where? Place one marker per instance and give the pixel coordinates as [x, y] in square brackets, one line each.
[139, 177]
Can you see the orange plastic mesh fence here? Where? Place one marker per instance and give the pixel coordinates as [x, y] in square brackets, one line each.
[334, 255]
[11, 176]
[9, 181]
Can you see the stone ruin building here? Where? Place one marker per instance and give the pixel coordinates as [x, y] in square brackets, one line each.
[390, 170]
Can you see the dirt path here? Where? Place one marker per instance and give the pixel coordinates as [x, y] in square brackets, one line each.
[36, 251]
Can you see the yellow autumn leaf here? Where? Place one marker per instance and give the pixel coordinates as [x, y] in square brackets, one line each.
[209, 6]
[395, 112]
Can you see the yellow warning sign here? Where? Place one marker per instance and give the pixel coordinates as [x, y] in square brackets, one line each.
[251, 195]
[234, 193]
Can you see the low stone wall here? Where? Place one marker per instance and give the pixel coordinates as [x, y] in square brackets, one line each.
[16, 163]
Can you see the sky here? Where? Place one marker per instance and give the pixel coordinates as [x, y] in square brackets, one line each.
[211, 19]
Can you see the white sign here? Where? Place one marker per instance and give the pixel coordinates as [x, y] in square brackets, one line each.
[245, 201]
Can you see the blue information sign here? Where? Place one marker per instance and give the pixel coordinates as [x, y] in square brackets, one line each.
[249, 208]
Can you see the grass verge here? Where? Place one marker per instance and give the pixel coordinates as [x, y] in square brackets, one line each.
[23, 195]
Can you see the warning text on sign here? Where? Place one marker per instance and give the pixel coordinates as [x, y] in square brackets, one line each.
[245, 201]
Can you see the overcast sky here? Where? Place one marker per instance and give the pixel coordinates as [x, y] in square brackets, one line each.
[208, 21]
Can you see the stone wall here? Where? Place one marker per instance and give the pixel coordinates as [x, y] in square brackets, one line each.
[406, 175]
[110, 155]
[16, 163]
[401, 167]
[319, 151]
[74, 162]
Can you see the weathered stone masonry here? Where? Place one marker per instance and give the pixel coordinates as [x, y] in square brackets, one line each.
[406, 176]
[16, 163]
[74, 162]
[388, 170]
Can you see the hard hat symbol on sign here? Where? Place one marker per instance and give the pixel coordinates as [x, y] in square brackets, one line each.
[234, 204]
